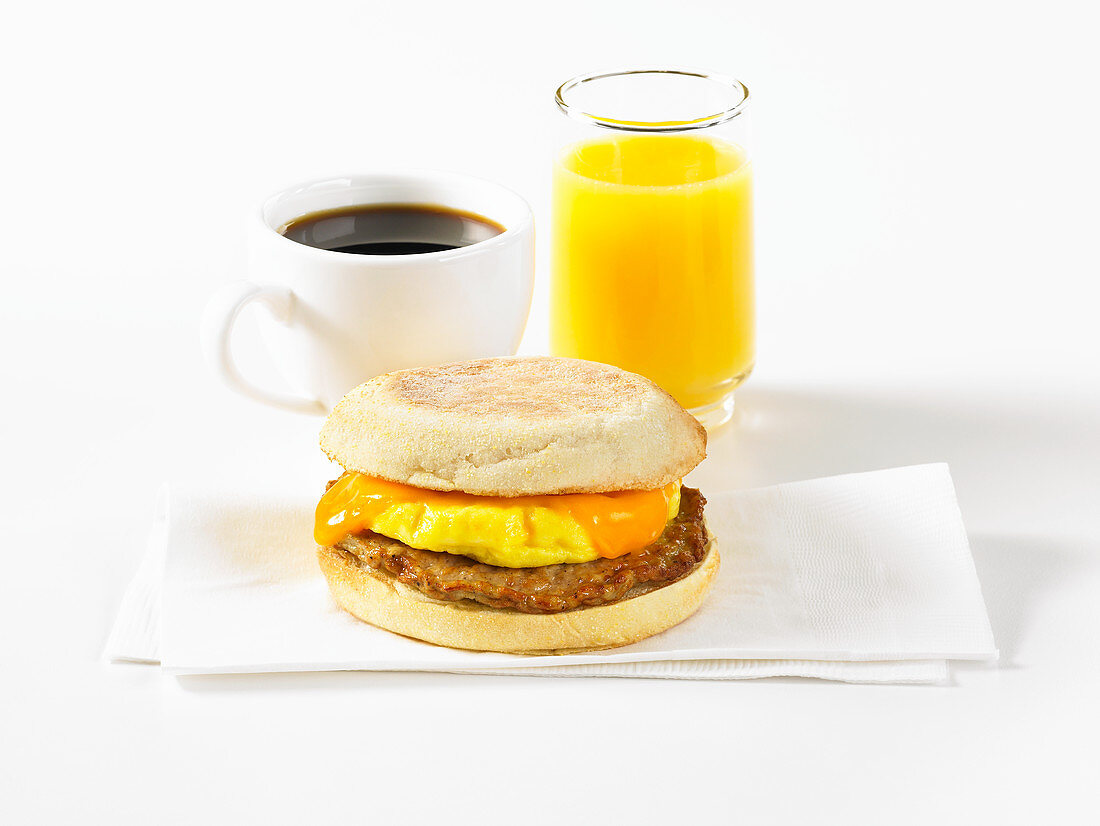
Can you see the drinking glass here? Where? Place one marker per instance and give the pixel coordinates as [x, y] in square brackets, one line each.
[652, 259]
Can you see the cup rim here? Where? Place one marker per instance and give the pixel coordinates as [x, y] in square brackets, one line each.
[511, 228]
[704, 121]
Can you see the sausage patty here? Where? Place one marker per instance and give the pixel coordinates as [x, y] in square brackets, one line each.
[547, 589]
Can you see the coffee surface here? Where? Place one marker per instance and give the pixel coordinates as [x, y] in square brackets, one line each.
[391, 229]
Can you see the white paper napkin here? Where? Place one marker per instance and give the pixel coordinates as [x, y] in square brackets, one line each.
[863, 578]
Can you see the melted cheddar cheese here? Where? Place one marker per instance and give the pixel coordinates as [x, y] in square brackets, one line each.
[514, 532]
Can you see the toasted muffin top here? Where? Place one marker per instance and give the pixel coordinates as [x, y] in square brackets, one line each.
[514, 427]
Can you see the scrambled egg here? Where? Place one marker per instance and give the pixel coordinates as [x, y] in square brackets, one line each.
[514, 533]
[516, 536]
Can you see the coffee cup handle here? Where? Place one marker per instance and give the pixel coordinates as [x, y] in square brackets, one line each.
[218, 320]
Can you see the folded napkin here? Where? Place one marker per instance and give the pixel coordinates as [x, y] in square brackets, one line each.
[863, 578]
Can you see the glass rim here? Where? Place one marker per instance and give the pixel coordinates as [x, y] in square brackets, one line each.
[702, 122]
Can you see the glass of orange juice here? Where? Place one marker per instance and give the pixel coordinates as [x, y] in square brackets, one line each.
[652, 262]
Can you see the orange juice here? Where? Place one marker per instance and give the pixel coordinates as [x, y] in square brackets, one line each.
[652, 261]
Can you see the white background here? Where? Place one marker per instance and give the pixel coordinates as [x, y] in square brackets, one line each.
[927, 208]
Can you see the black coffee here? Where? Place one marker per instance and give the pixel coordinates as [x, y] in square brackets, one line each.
[390, 229]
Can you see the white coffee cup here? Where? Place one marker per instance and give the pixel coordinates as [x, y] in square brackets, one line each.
[337, 319]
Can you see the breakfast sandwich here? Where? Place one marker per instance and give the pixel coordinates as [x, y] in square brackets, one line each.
[517, 504]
